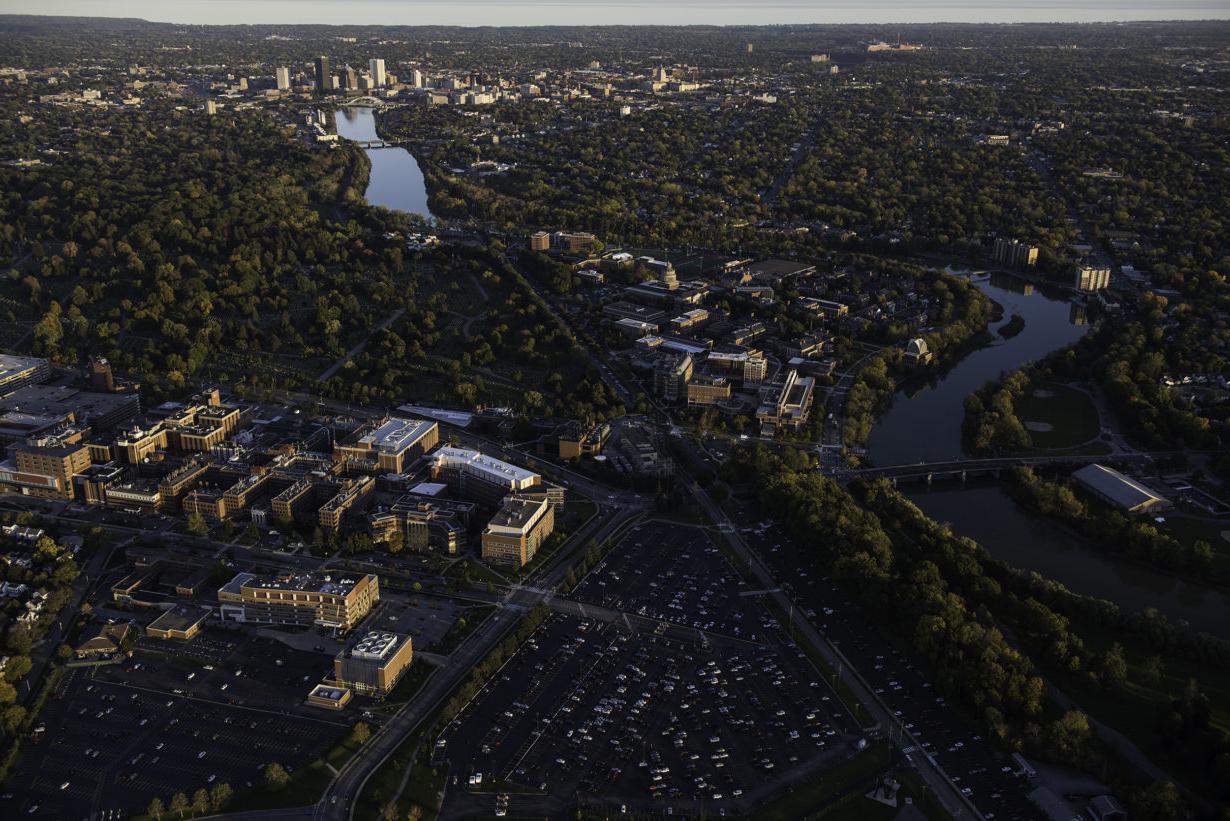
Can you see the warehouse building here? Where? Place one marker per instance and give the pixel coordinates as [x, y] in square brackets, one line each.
[1118, 490]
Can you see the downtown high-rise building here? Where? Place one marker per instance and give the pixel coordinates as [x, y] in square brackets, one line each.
[283, 75]
[379, 77]
[324, 77]
[416, 78]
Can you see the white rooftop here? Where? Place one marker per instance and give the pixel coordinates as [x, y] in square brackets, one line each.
[489, 466]
[396, 435]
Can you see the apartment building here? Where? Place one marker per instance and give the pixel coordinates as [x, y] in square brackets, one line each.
[1014, 254]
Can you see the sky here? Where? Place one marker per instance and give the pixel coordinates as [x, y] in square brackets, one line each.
[628, 12]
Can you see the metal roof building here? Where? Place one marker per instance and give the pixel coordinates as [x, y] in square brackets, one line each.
[1118, 490]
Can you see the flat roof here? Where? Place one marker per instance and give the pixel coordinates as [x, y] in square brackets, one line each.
[11, 366]
[61, 399]
[461, 419]
[327, 583]
[516, 513]
[180, 618]
[429, 488]
[780, 267]
[397, 435]
[375, 645]
[481, 463]
[1122, 490]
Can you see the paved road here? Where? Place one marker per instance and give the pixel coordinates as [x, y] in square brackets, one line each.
[945, 791]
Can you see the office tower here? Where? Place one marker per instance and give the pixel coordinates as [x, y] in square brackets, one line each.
[350, 79]
[379, 78]
[324, 80]
[283, 78]
[416, 78]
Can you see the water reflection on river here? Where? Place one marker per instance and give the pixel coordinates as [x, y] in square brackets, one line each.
[396, 180]
[925, 425]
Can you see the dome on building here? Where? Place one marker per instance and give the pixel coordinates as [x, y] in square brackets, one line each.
[917, 348]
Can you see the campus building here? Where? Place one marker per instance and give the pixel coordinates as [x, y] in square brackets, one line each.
[19, 371]
[390, 446]
[375, 663]
[477, 476]
[517, 530]
[44, 467]
[789, 404]
[337, 602]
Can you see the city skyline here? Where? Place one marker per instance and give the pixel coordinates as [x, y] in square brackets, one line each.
[630, 12]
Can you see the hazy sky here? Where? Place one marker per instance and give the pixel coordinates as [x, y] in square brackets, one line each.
[568, 12]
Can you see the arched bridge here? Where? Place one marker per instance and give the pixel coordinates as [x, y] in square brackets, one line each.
[374, 102]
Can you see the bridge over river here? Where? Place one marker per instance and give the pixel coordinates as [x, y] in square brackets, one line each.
[967, 468]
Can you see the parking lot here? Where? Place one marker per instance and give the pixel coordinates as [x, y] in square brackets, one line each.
[591, 710]
[986, 774]
[674, 573]
[426, 618]
[118, 735]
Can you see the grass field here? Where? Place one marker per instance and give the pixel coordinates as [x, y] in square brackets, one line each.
[1069, 414]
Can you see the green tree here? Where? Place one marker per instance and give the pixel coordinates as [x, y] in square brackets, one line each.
[179, 804]
[361, 733]
[200, 801]
[276, 776]
[17, 667]
[11, 718]
[156, 808]
[220, 796]
[196, 525]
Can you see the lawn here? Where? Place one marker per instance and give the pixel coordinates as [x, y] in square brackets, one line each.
[1069, 415]
[854, 775]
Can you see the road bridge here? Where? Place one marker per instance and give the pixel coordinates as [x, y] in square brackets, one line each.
[968, 468]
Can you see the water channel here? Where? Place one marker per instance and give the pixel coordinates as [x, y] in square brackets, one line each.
[924, 424]
[396, 180]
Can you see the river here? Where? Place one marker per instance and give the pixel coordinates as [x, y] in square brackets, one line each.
[924, 424]
[396, 180]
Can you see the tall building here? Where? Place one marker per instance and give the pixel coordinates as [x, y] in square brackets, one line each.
[379, 78]
[350, 79]
[334, 601]
[283, 74]
[1014, 254]
[516, 531]
[324, 78]
[416, 78]
[45, 467]
[101, 377]
[1091, 278]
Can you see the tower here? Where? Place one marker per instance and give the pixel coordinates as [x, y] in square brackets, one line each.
[324, 80]
[379, 78]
